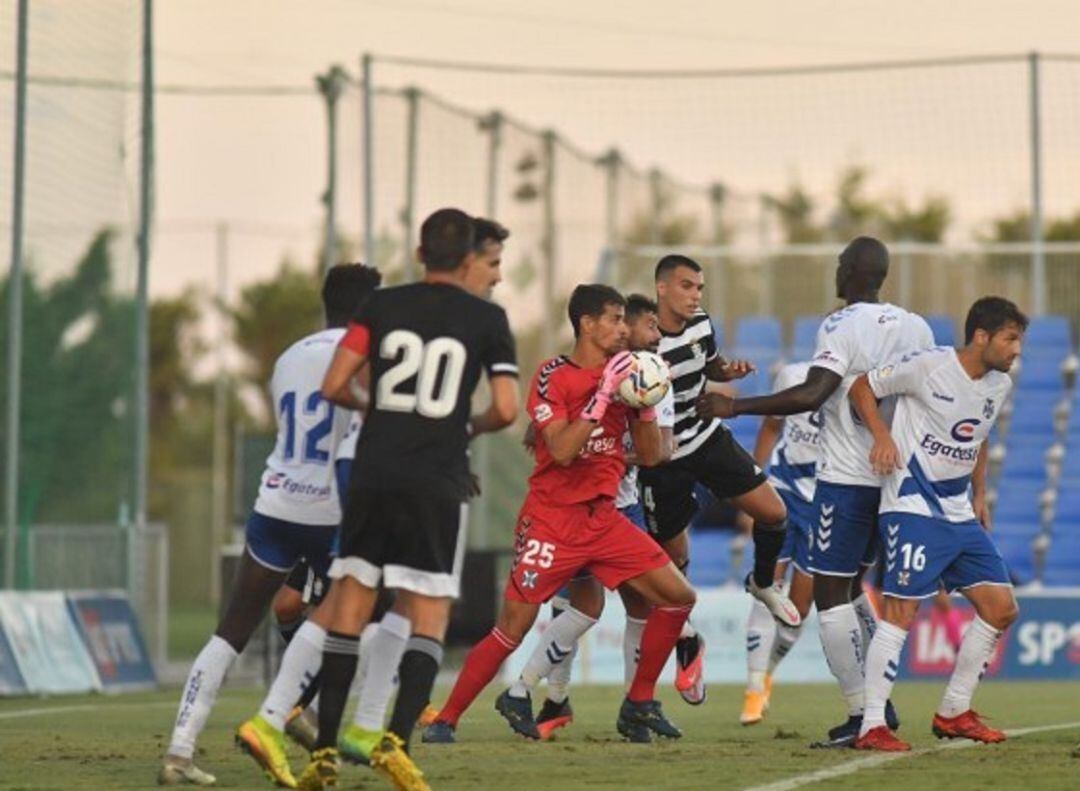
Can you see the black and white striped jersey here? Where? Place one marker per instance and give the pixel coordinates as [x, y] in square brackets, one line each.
[687, 353]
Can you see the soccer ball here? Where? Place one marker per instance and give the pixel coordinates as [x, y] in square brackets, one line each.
[647, 383]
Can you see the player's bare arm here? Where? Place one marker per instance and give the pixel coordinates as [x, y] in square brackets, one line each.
[806, 397]
[768, 435]
[884, 455]
[503, 409]
[722, 370]
[978, 487]
[648, 444]
[339, 385]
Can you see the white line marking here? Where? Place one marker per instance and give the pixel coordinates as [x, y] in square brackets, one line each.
[46, 710]
[873, 761]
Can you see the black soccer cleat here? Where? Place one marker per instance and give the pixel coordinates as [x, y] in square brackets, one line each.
[553, 716]
[842, 735]
[518, 713]
[892, 719]
[638, 720]
[438, 732]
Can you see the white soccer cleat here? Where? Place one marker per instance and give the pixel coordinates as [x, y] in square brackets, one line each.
[176, 771]
[773, 597]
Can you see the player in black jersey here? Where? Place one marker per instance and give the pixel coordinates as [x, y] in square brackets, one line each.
[427, 344]
[705, 453]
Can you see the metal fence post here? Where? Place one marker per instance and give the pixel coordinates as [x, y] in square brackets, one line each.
[549, 243]
[14, 329]
[412, 143]
[219, 463]
[610, 260]
[1038, 256]
[142, 342]
[368, 144]
[331, 85]
[656, 204]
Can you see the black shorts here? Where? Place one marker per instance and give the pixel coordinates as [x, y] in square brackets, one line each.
[404, 538]
[721, 464]
[310, 584]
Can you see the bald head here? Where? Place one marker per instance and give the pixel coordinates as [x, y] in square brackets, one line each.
[864, 264]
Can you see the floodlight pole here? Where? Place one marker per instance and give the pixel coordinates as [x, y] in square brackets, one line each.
[14, 329]
[412, 145]
[331, 85]
[368, 145]
[1038, 253]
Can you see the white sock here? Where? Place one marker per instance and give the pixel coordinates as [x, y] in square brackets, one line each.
[200, 691]
[760, 631]
[841, 639]
[631, 648]
[384, 656]
[882, 665]
[864, 608]
[976, 650]
[367, 637]
[786, 637]
[560, 640]
[558, 687]
[299, 664]
[688, 630]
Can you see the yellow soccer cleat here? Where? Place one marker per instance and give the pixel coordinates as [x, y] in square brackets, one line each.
[356, 744]
[266, 745]
[390, 760]
[753, 710]
[177, 771]
[322, 772]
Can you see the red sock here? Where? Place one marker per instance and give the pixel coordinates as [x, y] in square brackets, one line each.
[481, 665]
[662, 631]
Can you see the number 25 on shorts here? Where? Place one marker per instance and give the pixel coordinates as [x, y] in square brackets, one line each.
[538, 553]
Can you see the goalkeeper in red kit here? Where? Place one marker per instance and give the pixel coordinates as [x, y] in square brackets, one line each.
[569, 523]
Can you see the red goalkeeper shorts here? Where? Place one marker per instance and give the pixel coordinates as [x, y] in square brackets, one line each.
[552, 544]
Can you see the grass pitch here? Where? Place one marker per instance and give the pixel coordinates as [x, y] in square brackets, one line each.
[105, 742]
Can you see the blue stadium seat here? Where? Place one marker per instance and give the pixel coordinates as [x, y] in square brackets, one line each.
[1049, 332]
[944, 329]
[1025, 461]
[745, 430]
[758, 336]
[712, 557]
[802, 347]
[1018, 501]
[1063, 556]
[760, 382]
[1067, 510]
[1033, 414]
[1040, 374]
[1018, 556]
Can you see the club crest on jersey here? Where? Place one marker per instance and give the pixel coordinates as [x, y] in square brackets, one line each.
[988, 409]
[964, 430]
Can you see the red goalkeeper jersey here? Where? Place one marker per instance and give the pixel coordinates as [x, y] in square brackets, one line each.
[560, 391]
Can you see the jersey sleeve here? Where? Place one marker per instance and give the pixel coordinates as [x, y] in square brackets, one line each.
[500, 358]
[905, 376]
[547, 401]
[837, 345]
[357, 337]
[665, 410]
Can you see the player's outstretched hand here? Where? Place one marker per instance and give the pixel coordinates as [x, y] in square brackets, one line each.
[885, 456]
[737, 369]
[710, 405]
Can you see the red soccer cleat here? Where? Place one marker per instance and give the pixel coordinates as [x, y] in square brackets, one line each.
[968, 725]
[881, 738]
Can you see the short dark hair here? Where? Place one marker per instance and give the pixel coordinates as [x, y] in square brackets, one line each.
[485, 231]
[344, 288]
[638, 304]
[992, 314]
[591, 299]
[670, 263]
[446, 237]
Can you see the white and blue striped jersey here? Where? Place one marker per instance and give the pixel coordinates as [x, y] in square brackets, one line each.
[851, 342]
[793, 463]
[298, 484]
[942, 417]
